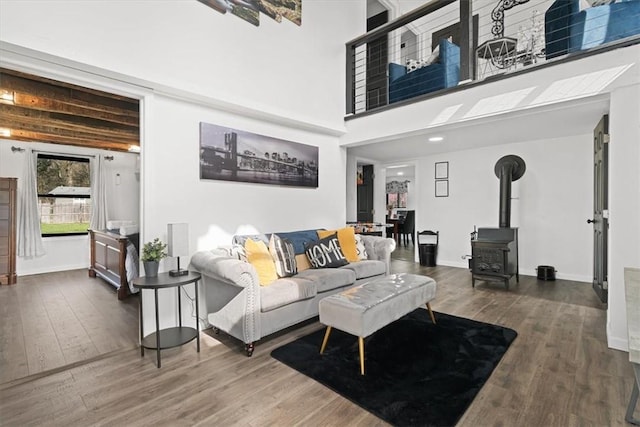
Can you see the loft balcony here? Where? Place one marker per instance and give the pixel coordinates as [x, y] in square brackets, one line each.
[450, 45]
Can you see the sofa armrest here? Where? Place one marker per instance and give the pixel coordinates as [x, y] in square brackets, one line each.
[557, 26]
[231, 291]
[219, 265]
[379, 248]
[450, 58]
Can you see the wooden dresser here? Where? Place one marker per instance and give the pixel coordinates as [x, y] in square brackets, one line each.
[8, 219]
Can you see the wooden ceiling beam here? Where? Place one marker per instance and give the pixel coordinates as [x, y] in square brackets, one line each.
[88, 110]
[30, 136]
[10, 114]
[69, 133]
[45, 110]
[29, 80]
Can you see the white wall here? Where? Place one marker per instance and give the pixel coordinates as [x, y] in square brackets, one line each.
[72, 252]
[192, 64]
[624, 205]
[552, 202]
[281, 69]
[216, 210]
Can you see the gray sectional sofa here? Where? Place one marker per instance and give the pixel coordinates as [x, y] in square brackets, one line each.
[236, 303]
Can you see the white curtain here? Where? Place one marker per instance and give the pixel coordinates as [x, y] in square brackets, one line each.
[29, 234]
[98, 194]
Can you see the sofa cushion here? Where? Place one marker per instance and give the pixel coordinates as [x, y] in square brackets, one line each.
[286, 291]
[299, 238]
[368, 268]
[283, 255]
[325, 253]
[329, 278]
[440, 75]
[259, 257]
[347, 239]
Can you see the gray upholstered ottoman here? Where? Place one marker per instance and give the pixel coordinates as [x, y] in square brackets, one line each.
[364, 309]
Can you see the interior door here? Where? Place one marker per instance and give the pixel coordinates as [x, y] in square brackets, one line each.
[600, 218]
[365, 195]
[377, 60]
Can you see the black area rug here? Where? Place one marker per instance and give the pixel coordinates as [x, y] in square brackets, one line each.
[417, 373]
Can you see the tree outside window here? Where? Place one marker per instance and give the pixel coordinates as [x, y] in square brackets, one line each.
[64, 194]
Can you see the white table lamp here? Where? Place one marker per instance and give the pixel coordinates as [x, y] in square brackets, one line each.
[178, 236]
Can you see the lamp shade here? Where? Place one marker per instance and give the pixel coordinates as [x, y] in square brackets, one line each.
[178, 239]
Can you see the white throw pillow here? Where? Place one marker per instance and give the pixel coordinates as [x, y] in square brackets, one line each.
[413, 64]
[362, 252]
[434, 57]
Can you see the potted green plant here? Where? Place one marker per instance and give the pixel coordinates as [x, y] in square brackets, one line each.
[152, 253]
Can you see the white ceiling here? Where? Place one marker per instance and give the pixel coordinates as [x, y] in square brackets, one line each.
[574, 118]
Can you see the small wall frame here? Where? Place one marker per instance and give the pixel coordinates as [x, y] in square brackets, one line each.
[442, 188]
[442, 170]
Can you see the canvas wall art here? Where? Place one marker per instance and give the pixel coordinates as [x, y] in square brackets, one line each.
[249, 10]
[234, 155]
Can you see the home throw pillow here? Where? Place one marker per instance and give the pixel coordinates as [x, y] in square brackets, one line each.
[347, 239]
[284, 256]
[362, 252]
[259, 257]
[325, 253]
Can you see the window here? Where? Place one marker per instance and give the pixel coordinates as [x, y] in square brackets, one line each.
[64, 194]
[397, 200]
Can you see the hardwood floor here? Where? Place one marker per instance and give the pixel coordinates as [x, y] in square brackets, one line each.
[558, 371]
[48, 321]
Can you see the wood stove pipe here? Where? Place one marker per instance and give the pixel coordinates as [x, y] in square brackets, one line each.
[508, 169]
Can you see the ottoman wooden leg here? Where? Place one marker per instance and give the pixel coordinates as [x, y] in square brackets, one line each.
[361, 347]
[433, 318]
[326, 338]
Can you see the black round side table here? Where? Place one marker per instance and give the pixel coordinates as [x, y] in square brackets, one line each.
[174, 336]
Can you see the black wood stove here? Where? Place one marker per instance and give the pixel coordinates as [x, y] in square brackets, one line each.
[494, 251]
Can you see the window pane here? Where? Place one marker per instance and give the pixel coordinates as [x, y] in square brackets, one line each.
[392, 199]
[61, 176]
[402, 200]
[64, 189]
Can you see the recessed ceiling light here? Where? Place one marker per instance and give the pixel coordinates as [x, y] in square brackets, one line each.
[436, 139]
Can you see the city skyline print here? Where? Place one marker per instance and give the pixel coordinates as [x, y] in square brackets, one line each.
[235, 155]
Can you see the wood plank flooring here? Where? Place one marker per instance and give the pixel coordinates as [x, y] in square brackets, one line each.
[48, 321]
[558, 371]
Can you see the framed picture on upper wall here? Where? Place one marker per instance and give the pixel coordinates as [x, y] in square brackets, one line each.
[442, 188]
[442, 170]
[234, 155]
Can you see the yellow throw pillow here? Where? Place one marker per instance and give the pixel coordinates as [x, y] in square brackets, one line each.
[302, 262]
[347, 240]
[258, 255]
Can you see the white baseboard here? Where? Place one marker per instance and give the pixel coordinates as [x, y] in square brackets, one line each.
[51, 269]
[617, 343]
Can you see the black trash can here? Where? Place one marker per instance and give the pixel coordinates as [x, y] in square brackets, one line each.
[428, 252]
